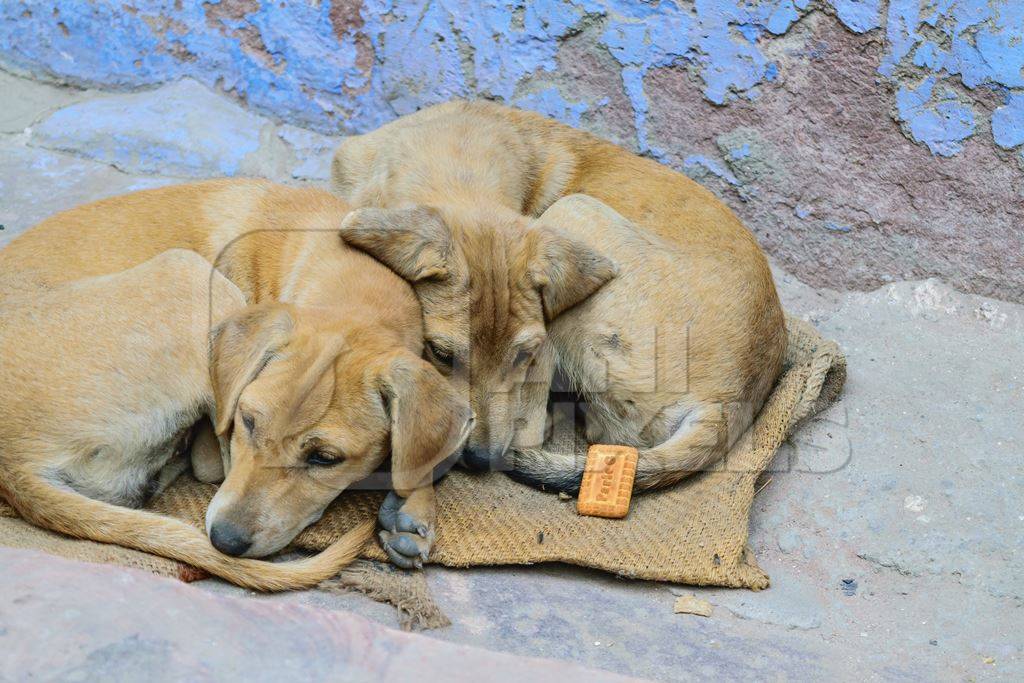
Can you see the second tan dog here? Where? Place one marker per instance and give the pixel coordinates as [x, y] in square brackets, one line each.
[456, 191]
[316, 384]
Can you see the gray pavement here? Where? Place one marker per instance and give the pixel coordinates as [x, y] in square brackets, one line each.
[889, 525]
[69, 621]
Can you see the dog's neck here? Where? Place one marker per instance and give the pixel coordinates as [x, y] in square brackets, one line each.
[429, 174]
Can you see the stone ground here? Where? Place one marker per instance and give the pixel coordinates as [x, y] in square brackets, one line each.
[889, 526]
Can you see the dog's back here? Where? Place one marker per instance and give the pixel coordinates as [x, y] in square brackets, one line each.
[100, 375]
[114, 234]
[275, 242]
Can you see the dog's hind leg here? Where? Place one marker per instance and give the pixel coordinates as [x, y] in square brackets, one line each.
[700, 440]
[208, 463]
[174, 468]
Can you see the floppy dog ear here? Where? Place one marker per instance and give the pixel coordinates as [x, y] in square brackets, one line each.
[414, 242]
[429, 420]
[310, 393]
[240, 347]
[566, 271]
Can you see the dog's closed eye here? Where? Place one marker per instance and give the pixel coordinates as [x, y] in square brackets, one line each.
[526, 349]
[522, 357]
[250, 423]
[321, 458]
[440, 354]
[444, 356]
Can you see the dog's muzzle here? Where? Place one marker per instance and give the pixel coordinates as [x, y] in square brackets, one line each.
[229, 539]
[478, 459]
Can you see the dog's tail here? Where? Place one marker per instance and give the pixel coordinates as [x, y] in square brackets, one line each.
[700, 440]
[76, 515]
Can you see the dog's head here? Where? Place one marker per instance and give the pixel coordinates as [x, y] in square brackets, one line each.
[311, 404]
[489, 281]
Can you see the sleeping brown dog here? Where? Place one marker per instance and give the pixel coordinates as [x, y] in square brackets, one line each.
[455, 192]
[102, 380]
[316, 383]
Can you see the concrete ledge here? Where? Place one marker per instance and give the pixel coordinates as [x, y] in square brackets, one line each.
[62, 620]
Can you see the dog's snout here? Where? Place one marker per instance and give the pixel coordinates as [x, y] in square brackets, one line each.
[229, 539]
[475, 459]
[480, 459]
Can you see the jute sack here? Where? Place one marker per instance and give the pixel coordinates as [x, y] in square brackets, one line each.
[16, 533]
[695, 532]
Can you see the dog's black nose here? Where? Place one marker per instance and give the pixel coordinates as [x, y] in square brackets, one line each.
[476, 459]
[229, 539]
[480, 459]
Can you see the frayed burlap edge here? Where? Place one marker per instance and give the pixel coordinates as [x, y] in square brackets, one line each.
[406, 591]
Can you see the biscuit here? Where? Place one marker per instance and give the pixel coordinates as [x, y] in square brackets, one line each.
[607, 481]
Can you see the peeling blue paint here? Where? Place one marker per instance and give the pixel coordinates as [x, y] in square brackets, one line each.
[984, 45]
[984, 39]
[837, 227]
[551, 103]
[859, 16]
[662, 39]
[1008, 122]
[941, 121]
[740, 152]
[928, 55]
[350, 70]
[699, 162]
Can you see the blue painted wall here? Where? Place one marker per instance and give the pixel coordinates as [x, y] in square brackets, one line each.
[349, 65]
[863, 141]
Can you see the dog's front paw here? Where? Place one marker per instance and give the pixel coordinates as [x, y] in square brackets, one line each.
[406, 538]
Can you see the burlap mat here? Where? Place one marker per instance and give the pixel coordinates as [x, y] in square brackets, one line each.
[695, 532]
[15, 533]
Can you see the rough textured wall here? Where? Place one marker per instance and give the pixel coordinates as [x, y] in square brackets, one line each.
[862, 140]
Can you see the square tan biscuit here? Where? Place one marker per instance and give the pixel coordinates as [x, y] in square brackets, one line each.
[607, 481]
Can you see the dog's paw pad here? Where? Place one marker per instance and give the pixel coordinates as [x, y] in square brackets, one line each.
[409, 524]
[405, 537]
[406, 550]
[388, 514]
